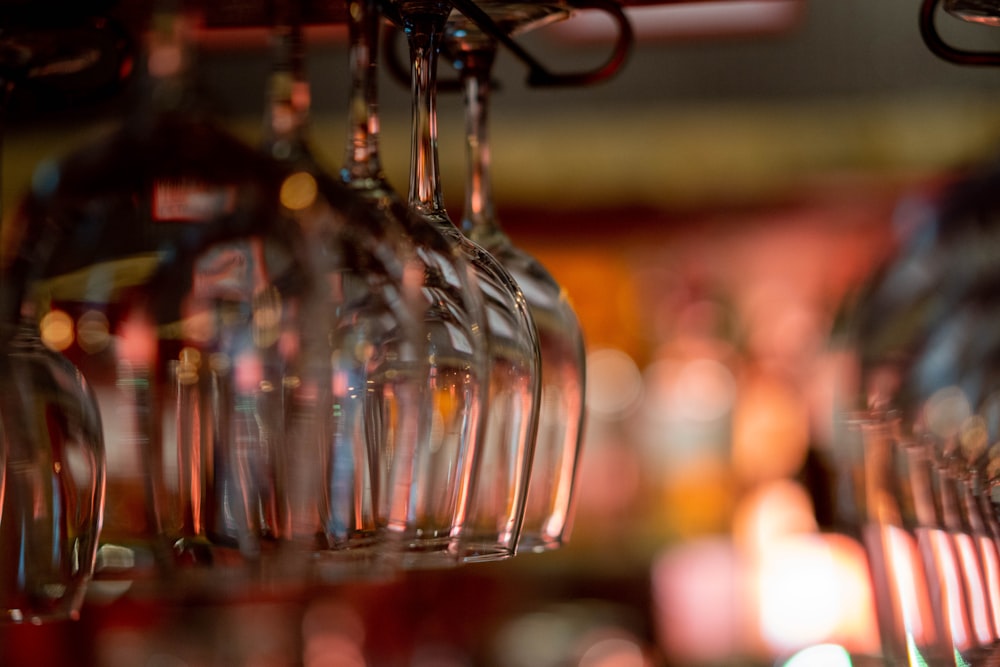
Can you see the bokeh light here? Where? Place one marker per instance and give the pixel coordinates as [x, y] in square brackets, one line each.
[822, 655]
[56, 329]
[614, 383]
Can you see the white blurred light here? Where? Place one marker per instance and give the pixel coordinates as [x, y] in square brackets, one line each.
[614, 383]
[823, 655]
[799, 594]
[705, 390]
[814, 589]
[773, 511]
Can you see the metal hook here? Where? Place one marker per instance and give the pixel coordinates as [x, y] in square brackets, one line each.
[932, 38]
[539, 76]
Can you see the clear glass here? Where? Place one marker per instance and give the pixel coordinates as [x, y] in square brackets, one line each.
[52, 464]
[909, 601]
[366, 370]
[52, 493]
[927, 563]
[424, 504]
[165, 263]
[926, 358]
[551, 492]
[493, 524]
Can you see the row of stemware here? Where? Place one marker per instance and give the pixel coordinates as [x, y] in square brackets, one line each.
[230, 367]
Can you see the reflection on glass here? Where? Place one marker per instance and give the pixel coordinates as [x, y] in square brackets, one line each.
[163, 264]
[362, 343]
[495, 500]
[551, 492]
[51, 482]
[924, 335]
[425, 500]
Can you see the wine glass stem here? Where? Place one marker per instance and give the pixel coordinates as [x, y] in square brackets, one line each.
[362, 161]
[475, 73]
[424, 36]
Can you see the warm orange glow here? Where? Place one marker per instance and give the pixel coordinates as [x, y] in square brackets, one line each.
[770, 430]
[698, 497]
[601, 285]
[298, 191]
[56, 330]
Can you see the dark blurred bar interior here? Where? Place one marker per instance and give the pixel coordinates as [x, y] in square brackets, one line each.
[708, 211]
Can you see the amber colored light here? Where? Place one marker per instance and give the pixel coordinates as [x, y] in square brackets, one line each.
[56, 328]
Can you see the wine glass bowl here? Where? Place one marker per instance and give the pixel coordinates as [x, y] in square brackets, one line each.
[168, 251]
[364, 342]
[258, 376]
[429, 468]
[550, 501]
[51, 484]
[926, 335]
[497, 491]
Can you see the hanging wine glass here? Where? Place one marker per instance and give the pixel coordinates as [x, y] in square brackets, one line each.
[52, 466]
[548, 512]
[366, 371]
[429, 470]
[926, 333]
[52, 493]
[492, 526]
[162, 262]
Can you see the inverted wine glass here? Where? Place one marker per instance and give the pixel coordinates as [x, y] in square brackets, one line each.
[492, 526]
[925, 330]
[51, 481]
[424, 503]
[367, 367]
[52, 460]
[178, 279]
[551, 492]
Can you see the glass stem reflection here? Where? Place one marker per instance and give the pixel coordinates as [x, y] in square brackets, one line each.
[476, 67]
[424, 36]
